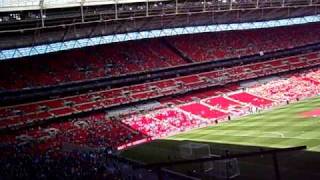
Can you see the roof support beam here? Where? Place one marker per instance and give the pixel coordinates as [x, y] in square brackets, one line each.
[115, 9]
[81, 10]
[45, 42]
[177, 7]
[42, 16]
[147, 8]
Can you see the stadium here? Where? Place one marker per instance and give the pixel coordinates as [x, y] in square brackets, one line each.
[160, 89]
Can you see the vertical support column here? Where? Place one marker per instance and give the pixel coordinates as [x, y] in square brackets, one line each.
[41, 4]
[257, 4]
[276, 166]
[160, 175]
[116, 9]
[212, 17]
[227, 168]
[81, 10]
[42, 18]
[311, 2]
[283, 2]
[230, 7]
[147, 8]
[177, 7]
[204, 5]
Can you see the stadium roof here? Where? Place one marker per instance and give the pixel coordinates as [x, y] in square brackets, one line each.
[20, 5]
[85, 42]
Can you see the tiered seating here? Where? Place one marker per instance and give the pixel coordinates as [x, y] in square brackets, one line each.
[190, 81]
[166, 87]
[94, 131]
[288, 88]
[169, 121]
[314, 74]
[165, 54]
[178, 119]
[193, 96]
[222, 45]
[222, 103]
[144, 55]
[227, 105]
[29, 113]
[85, 64]
[97, 132]
[203, 111]
[150, 126]
[157, 124]
[252, 99]
[144, 95]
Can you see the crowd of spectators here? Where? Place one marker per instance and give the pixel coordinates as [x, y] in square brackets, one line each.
[82, 147]
[79, 147]
[30, 113]
[290, 87]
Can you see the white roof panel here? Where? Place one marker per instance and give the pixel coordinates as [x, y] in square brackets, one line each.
[17, 5]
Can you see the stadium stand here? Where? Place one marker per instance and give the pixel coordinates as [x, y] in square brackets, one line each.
[93, 80]
[227, 105]
[224, 45]
[288, 88]
[145, 55]
[203, 111]
[251, 99]
[21, 115]
[96, 130]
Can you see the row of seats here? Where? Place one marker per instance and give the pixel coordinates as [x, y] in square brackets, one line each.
[144, 55]
[94, 131]
[211, 110]
[43, 110]
[85, 64]
[252, 100]
[222, 45]
[194, 96]
[196, 114]
[232, 106]
[289, 88]
[97, 131]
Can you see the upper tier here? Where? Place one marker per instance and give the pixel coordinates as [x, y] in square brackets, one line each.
[144, 55]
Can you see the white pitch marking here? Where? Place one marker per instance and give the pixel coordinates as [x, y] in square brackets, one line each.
[276, 133]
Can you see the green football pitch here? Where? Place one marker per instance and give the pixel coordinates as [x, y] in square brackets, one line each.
[277, 128]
